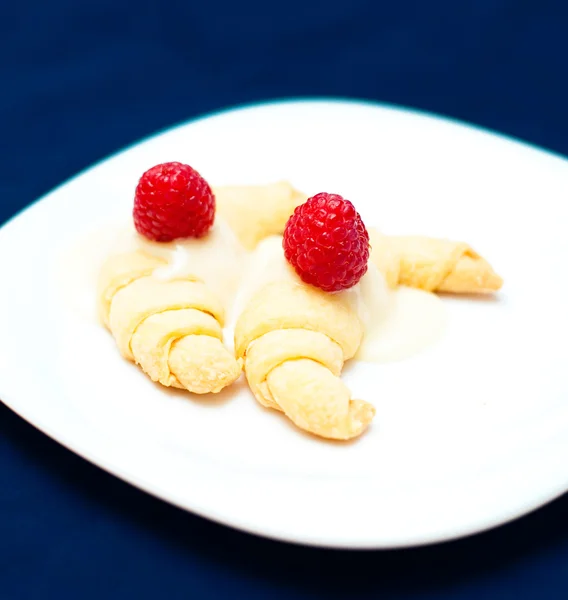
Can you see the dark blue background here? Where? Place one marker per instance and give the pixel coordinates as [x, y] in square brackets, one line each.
[81, 79]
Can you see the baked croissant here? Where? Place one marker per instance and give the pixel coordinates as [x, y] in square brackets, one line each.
[172, 329]
[432, 264]
[255, 212]
[294, 340]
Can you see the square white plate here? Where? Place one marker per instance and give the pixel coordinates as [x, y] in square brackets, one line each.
[469, 434]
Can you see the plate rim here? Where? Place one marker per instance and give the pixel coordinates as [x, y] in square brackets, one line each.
[282, 101]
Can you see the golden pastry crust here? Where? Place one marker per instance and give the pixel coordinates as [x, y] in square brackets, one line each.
[257, 211]
[172, 329]
[432, 264]
[291, 305]
[295, 340]
[118, 272]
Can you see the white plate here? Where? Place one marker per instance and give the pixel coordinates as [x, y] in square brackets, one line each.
[470, 434]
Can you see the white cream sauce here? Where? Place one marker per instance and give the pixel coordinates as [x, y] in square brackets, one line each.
[398, 323]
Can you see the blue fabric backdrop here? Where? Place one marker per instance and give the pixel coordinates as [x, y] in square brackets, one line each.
[80, 80]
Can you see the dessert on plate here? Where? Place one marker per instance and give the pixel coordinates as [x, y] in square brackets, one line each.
[297, 331]
[170, 320]
[307, 285]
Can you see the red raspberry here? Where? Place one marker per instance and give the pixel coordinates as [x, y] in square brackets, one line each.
[327, 243]
[173, 201]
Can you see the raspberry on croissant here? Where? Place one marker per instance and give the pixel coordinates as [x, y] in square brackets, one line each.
[172, 329]
[294, 340]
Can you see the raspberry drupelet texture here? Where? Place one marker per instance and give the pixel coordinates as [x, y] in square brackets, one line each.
[173, 201]
[327, 243]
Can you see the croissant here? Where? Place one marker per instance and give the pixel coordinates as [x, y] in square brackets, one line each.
[432, 264]
[172, 329]
[294, 340]
[257, 211]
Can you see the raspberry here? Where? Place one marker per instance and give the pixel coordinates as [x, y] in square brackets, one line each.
[327, 243]
[173, 201]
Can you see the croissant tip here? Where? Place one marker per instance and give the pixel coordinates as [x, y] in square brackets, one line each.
[497, 282]
[489, 280]
[362, 414]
